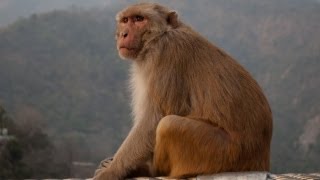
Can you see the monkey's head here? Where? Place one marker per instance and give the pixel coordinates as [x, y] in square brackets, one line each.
[140, 24]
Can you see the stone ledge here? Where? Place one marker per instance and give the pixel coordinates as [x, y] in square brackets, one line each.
[221, 176]
[235, 176]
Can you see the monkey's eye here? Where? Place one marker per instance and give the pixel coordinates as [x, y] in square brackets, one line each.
[138, 18]
[125, 20]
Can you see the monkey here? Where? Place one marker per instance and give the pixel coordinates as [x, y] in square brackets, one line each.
[196, 110]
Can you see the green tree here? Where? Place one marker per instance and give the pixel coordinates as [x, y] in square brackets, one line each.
[11, 161]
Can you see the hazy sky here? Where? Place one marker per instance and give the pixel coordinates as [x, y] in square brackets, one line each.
[11, 10]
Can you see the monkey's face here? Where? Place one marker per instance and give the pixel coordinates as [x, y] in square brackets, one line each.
[138, 25]
[129, 35]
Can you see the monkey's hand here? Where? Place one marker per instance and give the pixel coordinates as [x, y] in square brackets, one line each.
[104, 172]
[103, 165]
[107, 174]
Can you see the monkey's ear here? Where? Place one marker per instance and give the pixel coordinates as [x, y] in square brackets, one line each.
[172, 19]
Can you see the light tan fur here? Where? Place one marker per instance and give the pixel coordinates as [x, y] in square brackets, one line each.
[196, 110]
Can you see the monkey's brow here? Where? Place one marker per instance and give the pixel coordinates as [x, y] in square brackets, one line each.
[136, 14]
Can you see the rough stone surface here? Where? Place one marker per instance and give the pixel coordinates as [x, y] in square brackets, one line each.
[236, 176]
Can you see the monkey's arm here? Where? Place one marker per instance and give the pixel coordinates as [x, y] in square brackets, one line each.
[134, 152]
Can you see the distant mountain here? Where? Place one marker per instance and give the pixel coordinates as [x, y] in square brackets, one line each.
[63, 65]
[11, 10]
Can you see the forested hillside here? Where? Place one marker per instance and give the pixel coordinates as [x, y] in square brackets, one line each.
[60, 71]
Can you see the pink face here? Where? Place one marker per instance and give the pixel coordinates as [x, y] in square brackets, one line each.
[129, 31]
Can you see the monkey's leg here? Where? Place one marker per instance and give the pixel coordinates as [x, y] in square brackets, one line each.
[187, 147]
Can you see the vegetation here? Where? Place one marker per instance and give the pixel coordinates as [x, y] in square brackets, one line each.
[66, 89]
[27, 152]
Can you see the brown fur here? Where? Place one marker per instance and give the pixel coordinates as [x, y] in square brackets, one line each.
[196, 110]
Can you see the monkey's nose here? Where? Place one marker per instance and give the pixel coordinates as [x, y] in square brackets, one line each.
[124, 34]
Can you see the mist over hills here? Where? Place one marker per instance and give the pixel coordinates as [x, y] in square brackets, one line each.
[63, 67]
[11, 10]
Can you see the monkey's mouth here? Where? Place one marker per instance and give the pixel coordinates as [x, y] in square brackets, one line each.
[126, 49]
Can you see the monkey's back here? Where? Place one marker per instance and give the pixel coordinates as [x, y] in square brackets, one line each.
[193, 78]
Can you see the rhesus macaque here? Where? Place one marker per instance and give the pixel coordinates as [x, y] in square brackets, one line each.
[196, 110]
